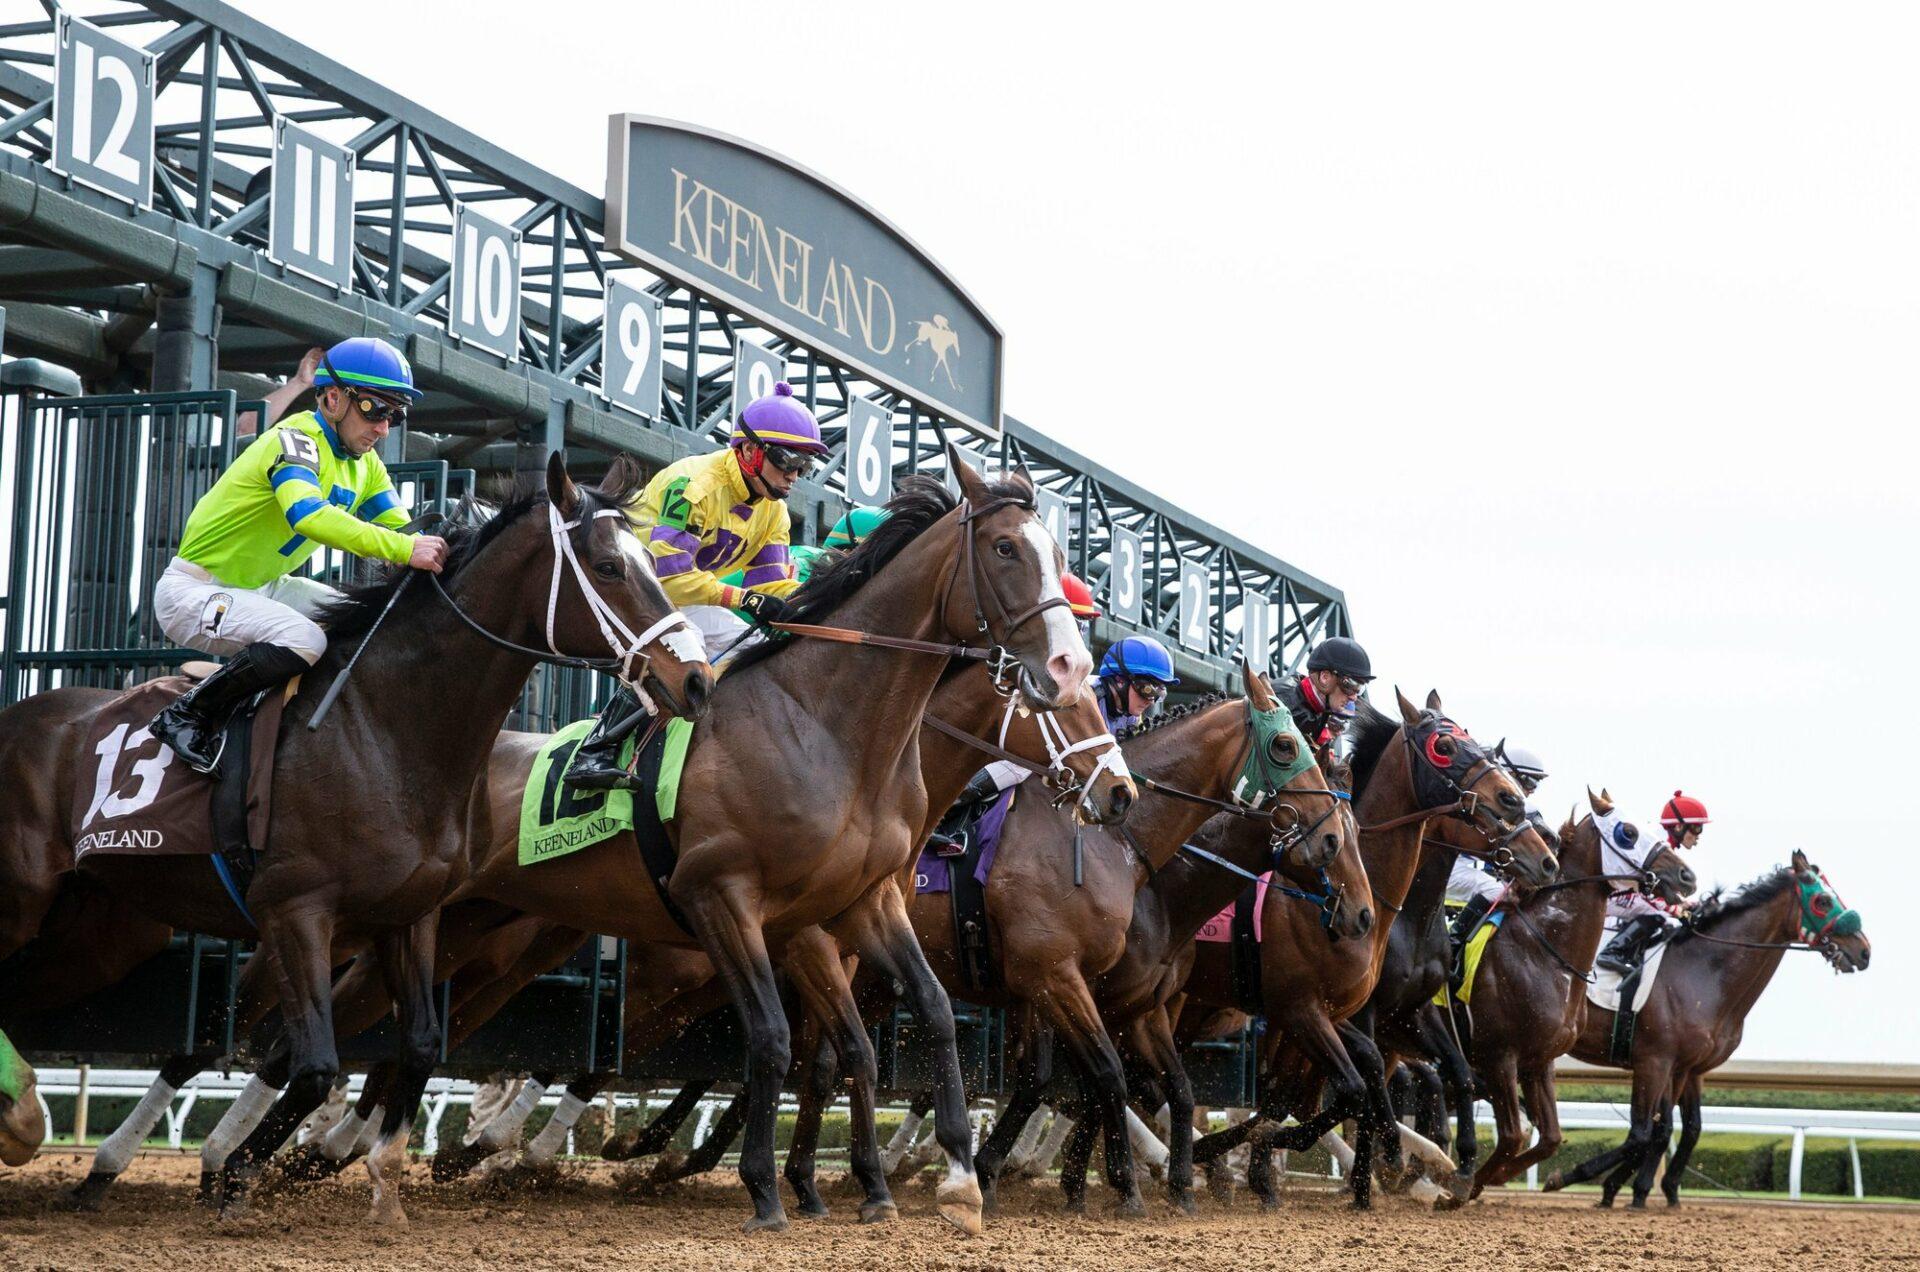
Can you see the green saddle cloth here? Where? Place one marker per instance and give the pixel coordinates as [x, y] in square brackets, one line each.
[557, 819]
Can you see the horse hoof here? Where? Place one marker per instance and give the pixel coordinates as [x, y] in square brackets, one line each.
[1075, 1206]
[1183, 1201]
[1129, 1207]
[1605, 1203]
[1555, 1182]
[88, 1195]
[1269, 1202]
[620, 1147]
[810, 1209]
[879, 1212]
[960, 1204]
[775, 1222]
[388, 1216]
[1673, 1200]
[209, 1194]
[1638, 1203]
[1449, 1201]
[308, 1165]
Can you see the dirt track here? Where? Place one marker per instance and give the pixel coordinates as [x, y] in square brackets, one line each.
[584, 1221]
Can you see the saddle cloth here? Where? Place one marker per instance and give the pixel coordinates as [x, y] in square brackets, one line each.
[1470, 956]
[135, 796]
[1219, 928]
[934, 873]
[1604, 993]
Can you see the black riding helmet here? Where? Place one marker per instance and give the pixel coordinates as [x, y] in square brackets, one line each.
[1343, 656]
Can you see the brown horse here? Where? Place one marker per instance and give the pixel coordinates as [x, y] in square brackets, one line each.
[802, 793]
[1195, 885]
[1714, 971]
[23, 1124]
[1060, 899]
[1405, 774]
[1529, 997]
[401, 764]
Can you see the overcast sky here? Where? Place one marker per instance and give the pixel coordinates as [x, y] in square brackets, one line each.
[1576, 346]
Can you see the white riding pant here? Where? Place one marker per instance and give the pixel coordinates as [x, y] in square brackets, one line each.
[199, 611]
[1630, 904]
[1468, 880]
[719, 627]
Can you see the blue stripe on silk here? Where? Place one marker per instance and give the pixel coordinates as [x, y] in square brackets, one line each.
[293, 545]
[293, 472]
[304, 508]
[380, 503]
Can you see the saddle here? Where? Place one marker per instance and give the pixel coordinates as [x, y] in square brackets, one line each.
[136, 798]
[1624, 996]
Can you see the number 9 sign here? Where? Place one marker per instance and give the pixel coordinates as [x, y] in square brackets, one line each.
[631, 349]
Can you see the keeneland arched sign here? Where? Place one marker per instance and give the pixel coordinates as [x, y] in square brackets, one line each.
[788, 248]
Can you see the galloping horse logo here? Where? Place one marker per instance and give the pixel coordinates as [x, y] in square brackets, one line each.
[942, 340]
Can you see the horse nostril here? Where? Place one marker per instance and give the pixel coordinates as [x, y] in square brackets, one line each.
[698, 690]
[1120, 802]
[1551, 864]
[1366, 920]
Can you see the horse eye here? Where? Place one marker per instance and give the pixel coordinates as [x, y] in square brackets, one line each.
[1005, 549]
[608, 569]
[1822, 903]
[1632, 832]
[1282, 749]
[1443, 744]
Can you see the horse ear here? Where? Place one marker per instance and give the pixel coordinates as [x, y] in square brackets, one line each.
[564, 495]
[1800, 863]
[1601, 804]
[1021, 477]
[1409, 714]
[973, 488]
[1258, 689]
[1433, 700]
[623, 478]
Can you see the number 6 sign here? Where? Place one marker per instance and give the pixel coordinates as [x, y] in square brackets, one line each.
[631, 349]
[869, 453]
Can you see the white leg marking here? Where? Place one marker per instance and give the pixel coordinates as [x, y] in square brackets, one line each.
[117, 1149]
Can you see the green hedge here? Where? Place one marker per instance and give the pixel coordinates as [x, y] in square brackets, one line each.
[1761, 1163]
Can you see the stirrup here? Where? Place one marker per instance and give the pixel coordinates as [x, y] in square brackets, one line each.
[171, 732]
[598, 777]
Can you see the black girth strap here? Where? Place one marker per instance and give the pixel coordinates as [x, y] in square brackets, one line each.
[649, 832]
[227, 806]
[1246, 953]
[1620, 1042]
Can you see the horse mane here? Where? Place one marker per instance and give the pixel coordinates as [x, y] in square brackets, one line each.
[918, 502]
[1368, 736]
[469, 530]
[1172, 714]
[1717, 908]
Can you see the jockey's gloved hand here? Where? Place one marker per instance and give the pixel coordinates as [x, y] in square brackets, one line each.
[766, 608]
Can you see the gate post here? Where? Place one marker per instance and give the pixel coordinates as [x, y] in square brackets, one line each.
[186, 336]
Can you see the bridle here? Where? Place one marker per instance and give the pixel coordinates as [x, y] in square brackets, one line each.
[1058, 777]
[628, 661]
[1466, 805]
[1002, 664]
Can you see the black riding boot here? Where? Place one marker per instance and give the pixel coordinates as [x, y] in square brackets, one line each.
[1470, 916]
[596, 762]
[1624, 951]
[194, 725]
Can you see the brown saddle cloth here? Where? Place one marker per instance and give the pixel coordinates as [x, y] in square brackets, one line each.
[135, 796]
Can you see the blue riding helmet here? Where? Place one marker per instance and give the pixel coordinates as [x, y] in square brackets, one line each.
[1141, 656]
[366, 363]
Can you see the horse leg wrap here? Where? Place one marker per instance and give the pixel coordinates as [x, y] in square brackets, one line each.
[1147, 1148]
[117, 1149]
[1341, 1152]
[1029, 1141]
[248, 1108]
[343, 1137]
[927, 1151]
[902, 1140]
[553, 1136]
[1049, 1150]
[1429, 1153]
[504, 1131]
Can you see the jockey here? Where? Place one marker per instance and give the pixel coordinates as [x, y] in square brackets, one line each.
[700, 517]
[1324, 699]
[1635, 918]
[853, 528]
[1135, 674]
[987, 785]
[314, 480]
[1472, 882]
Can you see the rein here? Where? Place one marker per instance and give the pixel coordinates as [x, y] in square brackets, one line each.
[1326, 899]
[1002, 664]
[1058, 775]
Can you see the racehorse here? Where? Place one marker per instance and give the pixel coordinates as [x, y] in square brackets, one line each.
[1059, 900]
[802, 793]
[1406, 773]
[1225, 855]
[402, 763]
[23, 1124]
[1529, 996]
[1714, 970]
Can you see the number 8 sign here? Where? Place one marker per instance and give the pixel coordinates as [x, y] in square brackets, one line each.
[631, 348]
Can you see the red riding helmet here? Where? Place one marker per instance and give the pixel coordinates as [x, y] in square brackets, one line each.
[1683, 813]
[1079, 597]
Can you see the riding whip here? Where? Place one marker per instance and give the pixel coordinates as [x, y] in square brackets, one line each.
[340, 681]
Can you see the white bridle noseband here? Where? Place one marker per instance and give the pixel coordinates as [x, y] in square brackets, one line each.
[621, 639]
[1053, 735]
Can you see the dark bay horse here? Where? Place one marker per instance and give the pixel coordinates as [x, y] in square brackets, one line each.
[399, 769]
[1406, 773]
[1529, 997]
[1714, 971]
[802, 794]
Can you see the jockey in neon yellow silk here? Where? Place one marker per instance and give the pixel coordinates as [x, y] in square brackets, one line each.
[702, 517]
[314, 480]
